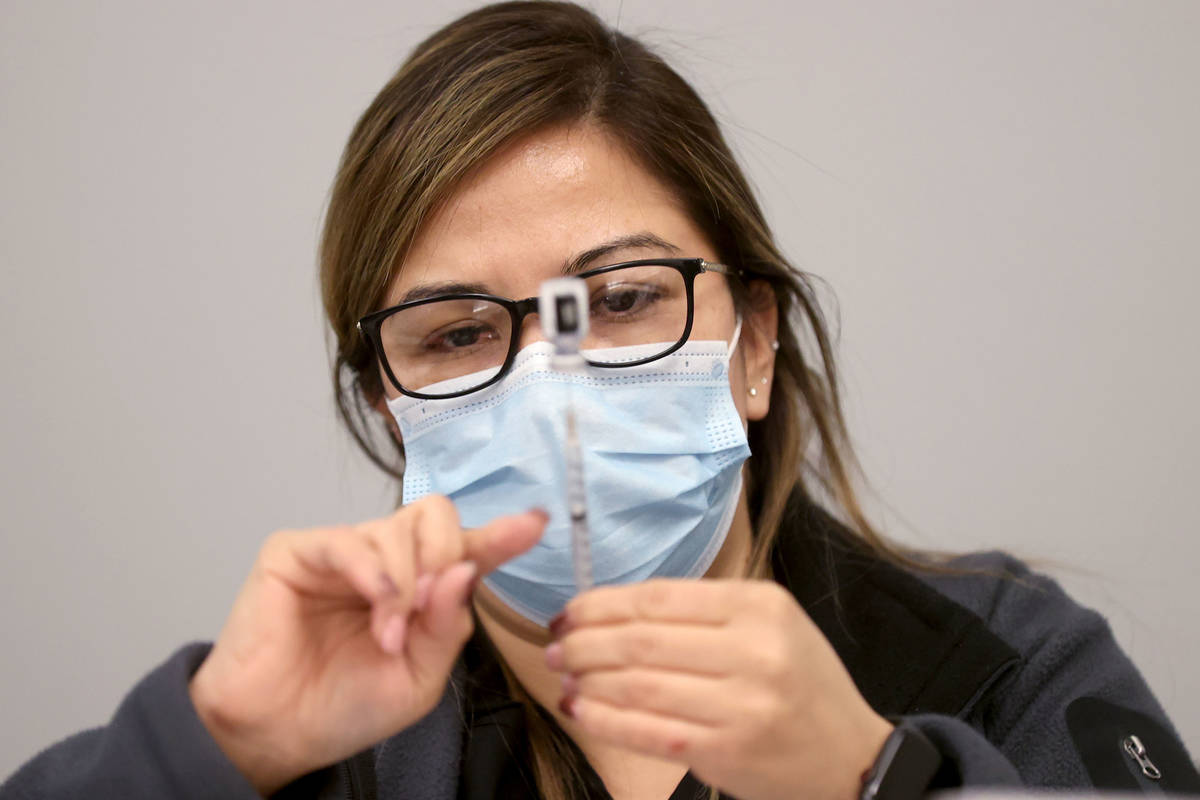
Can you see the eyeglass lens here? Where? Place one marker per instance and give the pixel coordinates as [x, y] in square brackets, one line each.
[452, 338]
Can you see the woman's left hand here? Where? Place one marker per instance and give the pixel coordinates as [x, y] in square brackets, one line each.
[730, 677]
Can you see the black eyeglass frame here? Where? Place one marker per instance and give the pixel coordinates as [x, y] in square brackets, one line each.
[370, 325]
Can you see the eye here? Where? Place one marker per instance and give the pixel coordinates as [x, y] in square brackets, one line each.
[623, 300]
[461, 336]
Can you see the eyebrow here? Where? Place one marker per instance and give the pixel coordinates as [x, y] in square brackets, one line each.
[633, 241]
[643, 240]
[445, 287]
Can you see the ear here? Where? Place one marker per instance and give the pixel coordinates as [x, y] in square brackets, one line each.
[759, 341]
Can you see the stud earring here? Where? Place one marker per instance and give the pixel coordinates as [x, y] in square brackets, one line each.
[764, 380]
[753, 392]
[775, 345]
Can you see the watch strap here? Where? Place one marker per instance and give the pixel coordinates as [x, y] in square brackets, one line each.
[904, 767]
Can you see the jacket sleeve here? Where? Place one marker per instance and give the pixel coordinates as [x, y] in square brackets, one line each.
[1065, 716]
[154, 746]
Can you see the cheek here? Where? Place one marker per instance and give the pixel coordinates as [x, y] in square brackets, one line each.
[389, 391]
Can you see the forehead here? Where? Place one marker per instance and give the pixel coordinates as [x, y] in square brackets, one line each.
[526, 211]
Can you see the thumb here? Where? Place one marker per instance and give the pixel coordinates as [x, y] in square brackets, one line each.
[503, 538]
[441, 628]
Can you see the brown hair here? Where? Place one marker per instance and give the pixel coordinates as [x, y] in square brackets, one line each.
[499, 73]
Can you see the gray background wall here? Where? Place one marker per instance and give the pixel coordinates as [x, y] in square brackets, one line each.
[1002, 194]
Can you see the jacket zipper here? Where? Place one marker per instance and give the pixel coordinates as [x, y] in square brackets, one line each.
[353, 791]
[1137, 751]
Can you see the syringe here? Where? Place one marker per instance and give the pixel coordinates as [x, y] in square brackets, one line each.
[562, 307]
[581, 548]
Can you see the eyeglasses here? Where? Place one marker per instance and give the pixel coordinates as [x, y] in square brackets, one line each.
[423, 343]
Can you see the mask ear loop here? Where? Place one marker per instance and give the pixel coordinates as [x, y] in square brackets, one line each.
[737, 333]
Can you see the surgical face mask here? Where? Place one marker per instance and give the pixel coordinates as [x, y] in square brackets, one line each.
[663, 446]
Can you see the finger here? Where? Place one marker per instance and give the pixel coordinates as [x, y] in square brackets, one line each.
[393, 540]
[491, 545]
[437, 533]
[337, 558]
[349, 555]
[709, 602]
[438, 632]
[680, 695]
[642, 731]
[698, 649]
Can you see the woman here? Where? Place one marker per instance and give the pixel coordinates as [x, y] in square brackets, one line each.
[524, 141]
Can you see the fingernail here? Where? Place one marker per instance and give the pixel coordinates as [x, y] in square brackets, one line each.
[421, 591]
[541, 512]
[560, 625]
[554, 657]
[567, 706]
[387, 585]
[393, 634]
[570, 684]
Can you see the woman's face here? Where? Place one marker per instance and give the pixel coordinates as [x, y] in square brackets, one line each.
[536, 207]
[541, 203]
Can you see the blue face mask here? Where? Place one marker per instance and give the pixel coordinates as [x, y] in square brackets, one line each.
[663, 447]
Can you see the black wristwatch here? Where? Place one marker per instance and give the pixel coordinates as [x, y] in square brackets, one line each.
[904, 767]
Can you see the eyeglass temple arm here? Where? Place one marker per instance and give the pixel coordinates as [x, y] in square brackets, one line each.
[710, 266]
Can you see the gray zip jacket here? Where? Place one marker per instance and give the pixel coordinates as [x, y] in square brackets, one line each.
[1014, 682]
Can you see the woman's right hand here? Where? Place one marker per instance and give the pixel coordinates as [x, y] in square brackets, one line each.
[344, 636]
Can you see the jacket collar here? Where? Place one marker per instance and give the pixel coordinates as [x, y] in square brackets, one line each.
[909, 648]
